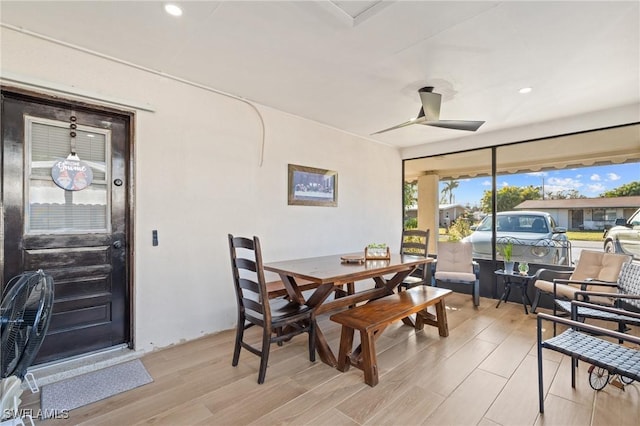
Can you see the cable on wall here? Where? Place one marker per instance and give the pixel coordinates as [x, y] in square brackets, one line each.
[149, 70]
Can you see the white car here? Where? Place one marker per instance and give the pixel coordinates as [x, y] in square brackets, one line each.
[535, 236]
[624, 238]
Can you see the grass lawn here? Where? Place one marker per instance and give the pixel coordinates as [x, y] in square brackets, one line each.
[572, 235]
[585, 235]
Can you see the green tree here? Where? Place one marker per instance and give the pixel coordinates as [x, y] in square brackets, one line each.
[459, 229]
[410, 199]
[411, 223]
[410, 189]
[626, 190]
[509, 196]
[449, 186]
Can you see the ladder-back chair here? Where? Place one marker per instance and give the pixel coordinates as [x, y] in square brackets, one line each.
[415, 243]
[280, 319]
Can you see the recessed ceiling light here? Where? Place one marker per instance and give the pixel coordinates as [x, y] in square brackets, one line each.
[173, 10]
[525, 90]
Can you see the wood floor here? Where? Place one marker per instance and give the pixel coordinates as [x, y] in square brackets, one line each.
[484, 373]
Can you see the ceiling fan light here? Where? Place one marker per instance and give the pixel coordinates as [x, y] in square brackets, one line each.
[525, 90]
[173, 9]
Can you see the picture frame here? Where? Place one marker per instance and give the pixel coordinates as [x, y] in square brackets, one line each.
[310, 186]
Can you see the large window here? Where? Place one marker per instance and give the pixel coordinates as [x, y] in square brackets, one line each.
[576, 183]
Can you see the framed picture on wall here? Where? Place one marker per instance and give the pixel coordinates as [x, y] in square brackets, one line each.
[309, 186]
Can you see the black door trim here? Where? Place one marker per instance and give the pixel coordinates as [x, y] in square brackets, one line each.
[56, 101]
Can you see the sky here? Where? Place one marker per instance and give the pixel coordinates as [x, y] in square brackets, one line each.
[588, 181]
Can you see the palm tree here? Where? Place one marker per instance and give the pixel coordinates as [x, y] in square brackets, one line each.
[410, 189]
[449, 186]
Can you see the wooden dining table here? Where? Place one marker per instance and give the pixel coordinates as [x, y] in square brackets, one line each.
[331, 273]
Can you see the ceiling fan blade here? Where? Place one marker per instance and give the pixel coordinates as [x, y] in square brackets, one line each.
[430, 103]
[470, 126]
[429, 115]
[419, 120]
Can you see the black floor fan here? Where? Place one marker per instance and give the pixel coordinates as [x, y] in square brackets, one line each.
[25, 313]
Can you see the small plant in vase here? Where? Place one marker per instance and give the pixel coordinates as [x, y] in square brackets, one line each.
[377, 251]
[506, 251]
[523, 267]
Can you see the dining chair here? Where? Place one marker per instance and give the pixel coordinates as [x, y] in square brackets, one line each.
[280, 319]
[455, 264]
[593, 268]
[415, 242]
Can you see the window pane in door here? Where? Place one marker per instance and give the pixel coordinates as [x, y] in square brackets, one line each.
[50, 208]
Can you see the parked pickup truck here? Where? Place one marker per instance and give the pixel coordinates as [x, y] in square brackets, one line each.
[624, 238]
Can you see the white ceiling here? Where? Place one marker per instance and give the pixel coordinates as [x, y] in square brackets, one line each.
[357, 65]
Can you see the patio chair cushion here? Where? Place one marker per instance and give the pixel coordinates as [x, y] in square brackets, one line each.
[455, 257]
[455, 264]
[562, 290]
[455, 276]
[598, 266]
[592, 265]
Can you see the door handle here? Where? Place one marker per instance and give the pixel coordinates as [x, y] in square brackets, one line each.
[117, 244]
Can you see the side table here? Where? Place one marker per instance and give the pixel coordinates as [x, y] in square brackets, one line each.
[514, 279]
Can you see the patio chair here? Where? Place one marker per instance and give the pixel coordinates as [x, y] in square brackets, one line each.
[622, 294]
[594, 270]
[455, 264]
[415, 243]
[579, 341]
[280, 319]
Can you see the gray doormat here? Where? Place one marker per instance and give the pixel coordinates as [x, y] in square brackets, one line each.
[91, 387]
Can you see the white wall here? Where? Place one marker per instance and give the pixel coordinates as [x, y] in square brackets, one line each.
[197, 178]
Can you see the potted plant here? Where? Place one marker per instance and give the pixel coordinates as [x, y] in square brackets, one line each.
[506, 251]
[373, 251]
[523, 267]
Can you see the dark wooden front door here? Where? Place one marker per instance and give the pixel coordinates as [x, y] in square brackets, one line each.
[79, 237]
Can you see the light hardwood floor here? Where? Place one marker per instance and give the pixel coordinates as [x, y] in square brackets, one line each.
[484, 373]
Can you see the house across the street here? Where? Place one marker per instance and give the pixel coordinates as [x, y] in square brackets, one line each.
[585, 213]
[449, 213]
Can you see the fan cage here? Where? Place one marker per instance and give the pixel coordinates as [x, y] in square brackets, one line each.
[25, 314]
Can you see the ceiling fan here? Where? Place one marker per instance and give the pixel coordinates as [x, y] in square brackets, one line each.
[429, 114]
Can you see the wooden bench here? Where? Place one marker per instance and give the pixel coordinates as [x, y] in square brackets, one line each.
[372, 318]
[276, 289]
